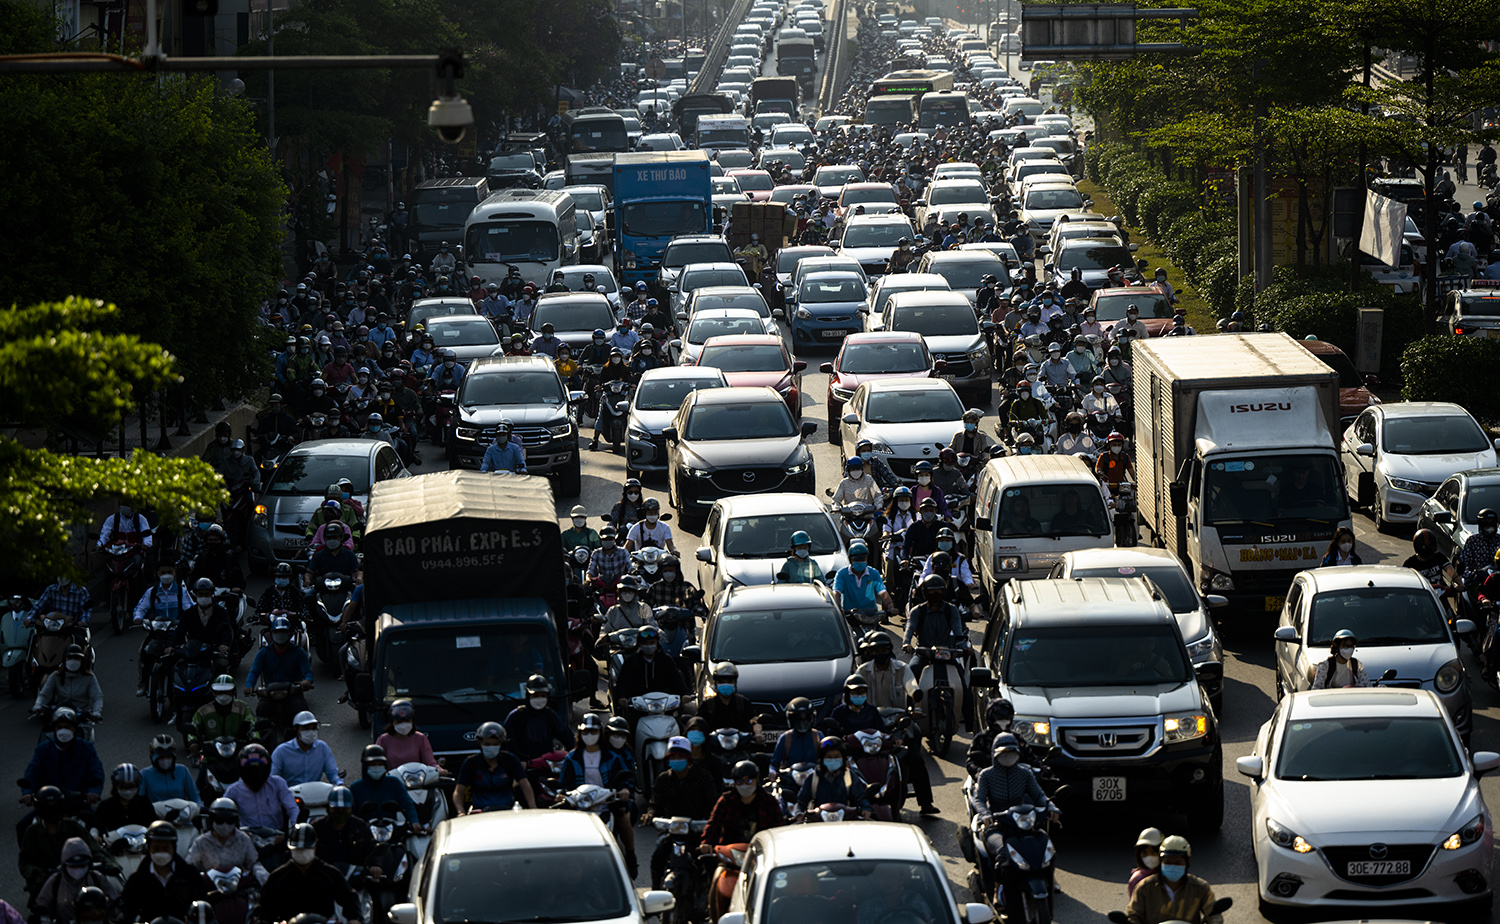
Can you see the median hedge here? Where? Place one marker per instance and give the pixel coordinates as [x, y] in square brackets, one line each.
[1445, 367]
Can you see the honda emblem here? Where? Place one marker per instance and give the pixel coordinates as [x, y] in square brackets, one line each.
[1108, 739]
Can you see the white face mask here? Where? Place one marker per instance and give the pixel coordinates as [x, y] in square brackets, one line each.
[538, 702]
[205, 602]
[590, 738]
[579, 522]
[617, 741]
[903, 505]
[651, 519]
[1346, 653]
[73, 665]
[308, 736]
[403, 728]
[63, 735]
[76, 872]
[165, 859]
[924, 479]
[1346, 547]
[223, 699]
[1150, 862]
[302, 856]
[223, 829]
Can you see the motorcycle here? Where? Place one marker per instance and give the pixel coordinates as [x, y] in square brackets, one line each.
[788, 785]
[332, 591]
[218, 766]
[127, 844]
[657, 725]
[233, 895]
[277, 726]
[620, 644]
[192, 674]
[159, 633]
[829, 811]
[184, 817]
[874, 754]
[53, 634]
[312, 799]
[683, 878]
[15, 637]
[395, 863]
[1123, 504]
[1218, 907]
[729, 746]
[270, 845]
[614, 408]
[858, 520]
[359, 691]
[125, 565]
[1019, 884]
[243, 617]
[726, 877]
[424, 785]
[590, 798]
[943, 692]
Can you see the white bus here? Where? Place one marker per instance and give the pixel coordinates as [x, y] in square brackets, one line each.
[534, 230]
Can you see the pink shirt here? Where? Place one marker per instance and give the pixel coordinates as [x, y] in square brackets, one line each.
[414, 748]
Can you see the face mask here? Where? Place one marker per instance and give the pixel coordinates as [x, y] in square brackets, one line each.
[803, 553]
[866, 455]
[746, 790]
[1116, 450]
[617, 741]
[1174, 873]
[165, 764]
[1150, 862]
[857, 699]
[1007, 759]
[308, 736]
[403, 728]
[651, 519]
[832, 764]
[858, 567]
[537, 702]
[970, 427]
[1114, 361]
[903, 505]
[928, 516]
[1346, 547]
[223, 829]
[677, 766]
[63, 735]
[302, 856]
[650, 650]
[945, 546]
[165, 859]
[924, 479]
[1346, 653]
[73, 665]
[76, 872]
[579, 522]
[281, 638]
[223, 699]
[166, 580]
[126, 793]
[490, 751]
[236, 453]
[375, 772]
[223, 441]
[607, 543]
[627, 596]
[205, 601]
[590, 738]
[632, 496]
[1098, 389]
[696, 737]
[724, 689]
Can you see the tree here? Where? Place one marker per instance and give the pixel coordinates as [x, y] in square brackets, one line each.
[59, 364]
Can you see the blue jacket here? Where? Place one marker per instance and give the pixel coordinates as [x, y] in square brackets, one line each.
[178, 784]
[72, 767]
[293, 666]
[792, 748]
[612, 770]
[508, 458]
[386, 789]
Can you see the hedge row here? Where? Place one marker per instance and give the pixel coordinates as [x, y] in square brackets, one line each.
[1319, 304]
[1446, 368]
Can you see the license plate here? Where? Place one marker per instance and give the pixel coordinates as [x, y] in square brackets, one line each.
[833, 334]
[769, 737]
[948, 377]
[299, 543]
[1109, 789]
[1274, 604]
[1380, 868]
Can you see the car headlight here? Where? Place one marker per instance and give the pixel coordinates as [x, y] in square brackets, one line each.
[560, 429]
[1282, 836]
[1201, 649]
[1033, 729]
[639, 435]
[1449, 676]
[1401, 484]
[804, 315]
[468, 433]
[799, 468]
[1185, 727]
[878, 446]
[979, 354]
[1010, 563]
[1216, 580]
[261, 510]
[697, 472]
[843, 394]
[630, 259]
[1466, 835]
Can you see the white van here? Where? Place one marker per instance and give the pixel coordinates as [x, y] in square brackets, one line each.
[1031, 509]
[1030, 105]
[534, 230]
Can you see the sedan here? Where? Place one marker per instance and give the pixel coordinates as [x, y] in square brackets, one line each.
[828, 308]
[886, 286]
[747, 297]
[698, 275]
[727, 441]
[576, 278]
[1043, 202]
[831, 178]
[469, 336]
[871, 357]
[1093, 259]
[1399, 625]
[875, 197]
[757, 360]
[1364, 797]
[574, 316]
[1452, 512]
[747, 539]
[787, 259]
[1395, 455]
[908, 419]
[716, 322]
[657, 399]
[956, 194]
[757, 183]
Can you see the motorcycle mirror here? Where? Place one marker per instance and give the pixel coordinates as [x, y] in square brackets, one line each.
[1115, 917]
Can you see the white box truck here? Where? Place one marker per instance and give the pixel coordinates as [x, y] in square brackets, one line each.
[1237, 461]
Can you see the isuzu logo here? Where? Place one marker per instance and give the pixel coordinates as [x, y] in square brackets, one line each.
[1266, 406]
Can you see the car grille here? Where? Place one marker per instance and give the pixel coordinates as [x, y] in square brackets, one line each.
[831, 318]
[874, 269]
[1340, 857]
[749, 480]
[1109, 742]
[958, 365]
[529, 436]
[291, 529]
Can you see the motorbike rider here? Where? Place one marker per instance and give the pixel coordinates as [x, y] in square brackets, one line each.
[491, 779]
[860, 587]
[217, 561]
[799, 743]
[951, 565]
[724, 706]
[1002, 785]
[306, 884]
[1132, 328]
[1026, 408]
[649, 530]
[925, 488]
[280, 595]
[644, 357]
[835, 780]
[1074, 438]
[1115, 466]
[608, 563]
[857, 487]
[948, 479]
[630, 612]
[164, 885]
[264, 800]
[281, 661]
[333, 508]
[648, 670]
[207, 622]
[742, 811]
[223, 845]
[403, 743]
[547, 342]
[1173, 894]
[221, 717]
[73, 685]
[1431, 563]
[922, 535]
[127, 526]
[933, 622]
[686, 789]
[999, 718]
[164, 778]
[1341, 668]
[892, 685]
[880, 469]
[344, 840]
[503, 455]
[376, 785]
[535, 728]
[579, 534]
[240, 473]
[855, 712]
[66, 896]
[1478, 552]
[614, 370]
[67, 597]
[1099, 400]
[124, 805]
[305, 758]
[590, 762]
[167, 600]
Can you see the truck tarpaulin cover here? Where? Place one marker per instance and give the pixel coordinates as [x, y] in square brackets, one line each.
[1261, 418]
[463, 535]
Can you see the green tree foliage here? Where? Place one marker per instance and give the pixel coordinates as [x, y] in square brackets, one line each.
[156, 195]
[58, 363]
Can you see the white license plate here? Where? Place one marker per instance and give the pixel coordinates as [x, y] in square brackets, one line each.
[1380, 868]
[1110, 789]
[948, 377]
[835, 334]
[298, 543]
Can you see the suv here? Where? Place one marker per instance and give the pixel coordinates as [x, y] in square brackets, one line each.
[527, 391]
[692, 248]
[1106, 694]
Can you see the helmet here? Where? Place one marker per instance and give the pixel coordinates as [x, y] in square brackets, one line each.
[490, 730]
[1342, 634]
[403, 709]
[579, 511]
[125, 775]
[928, 502]
[618, 723]
[901, 492]
[1005, 742]
[163, 744]
[1488, 517]
[800, 537]
[1116, 436]
[591, 722]
[651, 503]
[648, 633]
[89, 898]
[745, 769]
[973, 415]
[254, 754]
[341, 797]
[223, 809]
[942, 563]
[725, 670]
[300, 837]
[164, 831]
[1176, 846]
[224, 683]
[799, 708]
[632, 583]
[204, 586]
[1424, 541]
[537, 685]
[281, 624]
[284, 569]
[998, 711]
[934, 582]
[856, 682]
[1151, 837]
[922, 466]
[372, 754]
[830, 743]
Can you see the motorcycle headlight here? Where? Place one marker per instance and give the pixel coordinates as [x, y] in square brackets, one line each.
[560, 429]
[1202, 648]
[332, 583]
[1449, 676]
[1282, 836]
[1016, 858]
[1466, 835]
[1034, 730]
[678, 826]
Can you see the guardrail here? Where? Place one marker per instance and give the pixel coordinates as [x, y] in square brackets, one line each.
[836, 68]
[718, 51]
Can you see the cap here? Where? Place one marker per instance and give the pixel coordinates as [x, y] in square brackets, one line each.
[679, 743]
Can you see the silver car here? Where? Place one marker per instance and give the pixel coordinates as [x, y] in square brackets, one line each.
[657, 399]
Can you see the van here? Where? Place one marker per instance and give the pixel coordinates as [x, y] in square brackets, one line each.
[535, 230]
[439, 209]
[1031, 106]
[1031, 509]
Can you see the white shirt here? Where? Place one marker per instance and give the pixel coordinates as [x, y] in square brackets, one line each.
[591, 772]
[641, 535]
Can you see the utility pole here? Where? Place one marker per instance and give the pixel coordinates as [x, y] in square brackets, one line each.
[1262, 209]
[271, 75]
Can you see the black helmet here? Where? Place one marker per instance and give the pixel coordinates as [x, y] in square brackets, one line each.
[999, 711]
[300, 837]
[618, 723]
[50, 797]
[745, 769]
[372, 754]
[164, 831]
[490, 730]
[537, 685]
[1488, 517]
[1424, 541]
[89, 898]
[934, 582]
[204, 586]
[224, 809]
[799, 708]
[854, 683]
[284, 569]
[942, 563]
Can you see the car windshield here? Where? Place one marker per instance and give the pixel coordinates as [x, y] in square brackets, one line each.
[667, 394]
[512, 162]
[307, 473]
[1094, 256]
[420, 313]
[793, 159]
[573, 279]
[1480, 306]
[958, 193]
[511, 389]
[529, 885]
[867, 195]
[1056, 509]
[1269, 488]
[838, 176]
[936, 320]
[888, 358]
[1054, 199]
[779, 636]
[1480, 496]
[788, 258]
[735, 158]
[513, 242]
[572, 316]
[725, 185]
[750, 301]
[1109, 308]
[697, 279]
[927, 405]
[662, 219]
[785, 194]
[1096, 656]
[771, 536]
[884, 234]
[441, 214]
[677, 255]
[1349, 377]
[589, 199]
[881, 891]
[761, 420]
[1174, 584]
[463, 333]
[754, 182]
[1325, 750]
[1432, 436]
[1376, 616]
[704, 328]
[474, 663]
[836, 289]
[969, 274]
[749, 357]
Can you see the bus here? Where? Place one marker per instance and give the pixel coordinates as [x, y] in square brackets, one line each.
[534, 230]
[945, 107]
[891, 110]
[594, 130]
[912, 83]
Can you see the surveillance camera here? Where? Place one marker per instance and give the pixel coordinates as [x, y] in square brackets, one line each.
[450, 117]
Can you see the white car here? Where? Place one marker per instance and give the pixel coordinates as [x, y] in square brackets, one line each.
[716, 322]
[747, 539]
[1396, 455]
[1367, 796]
[908, 419]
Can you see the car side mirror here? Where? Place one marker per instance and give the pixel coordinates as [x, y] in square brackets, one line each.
[779, 315]
[1134, 247]
[732, 917]
[1253, 766]
[1442, 517]
[577, 397]
[404, 913]
[682, 315]
[1484, 762]
[809, 427]
[982, 524]
[1366, 449]
[978, 913]
[669, 434]
[657, 902]
[987, 326]
[1463, 626]
[799, 365]
[1216, 601]
[981, 678]
[1177, 494]
[1209, 671]
[1049, 267]
[1044, 250]
[1373, 381]
[675, 344]
[692, 653]
[851, 419]
[1287, 634]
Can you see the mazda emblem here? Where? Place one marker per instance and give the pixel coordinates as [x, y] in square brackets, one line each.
[748, 477]
[1108, 740]
[926, 450]
[1378, 851]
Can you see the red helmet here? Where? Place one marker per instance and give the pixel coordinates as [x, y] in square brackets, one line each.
[1116, 436]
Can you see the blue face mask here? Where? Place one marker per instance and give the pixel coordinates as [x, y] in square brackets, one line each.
[725, 689]
[677, 765]
[832, 764]
[696, 737]
[1173, 873]
[971, 427]
[282, 582]
[857, 700]
[1023, 450]
[858, 567]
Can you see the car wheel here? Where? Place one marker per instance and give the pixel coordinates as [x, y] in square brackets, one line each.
[835, 433]
[1206, 814]
[570, 482]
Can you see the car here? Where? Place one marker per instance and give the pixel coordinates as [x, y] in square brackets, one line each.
[1403, 278]
[439, 306]
[512, 168]
[757, 183]
[871, 239]
[1042, 202]
[469, 336]
[956, 170]
[907, 420]
[593, 243]
[1090, 226]
[1399, 624]
[953, 334]
[830, 122]
[792, 134]
[1048, 167]
[836, 867]
[1354, 388]
[870, 357]
[965, 269]
[794, 161]
[1109, 304]
[1395, 455]
[1452, 512]
[907, 139]
[527, 391]
[786, 265]
[540, 864]
[573, 277]
[594, 199]
[574, 316]
[1473, 311]
[830, 179]
[748, 538]
[747, 297]
[786, 192]
[1094, 258]
[1067, 152]
[735, 158]
[726, 185]
[1106, 695]
[761, 359]
[886, 286]
[685, 249]
[701, 275]
[736, 440]
[715, 322]
[875, 198]
[1363, 797]
[945, 197]
[828, 308]
[657, 398]
[278, 522]
[1005, 250]
[1166, 573]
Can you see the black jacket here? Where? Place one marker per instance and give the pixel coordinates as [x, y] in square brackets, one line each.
[146, 898]
[291, 890]
[659, 675]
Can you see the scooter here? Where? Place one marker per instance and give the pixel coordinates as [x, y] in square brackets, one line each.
[726, 877]
[183, 815]
[657, 725]
[15, 636]
[312, 799]
[545, 772]
[590, 798]
[358, 690]
[332, 591]
[620, 644]
[243, 617]
[943, 690]
[54, 633]
[275, 727]
[858, 520]
[127, 844]
[159, 633]
[1122, 503]
[788, 785]
[424, 785]
[233, 895]
[829, 811]
[218, 766]
[395, 862]
[614, 407]
[125, 566]
[1218, 907]
[1020, 883]
[683, 878]
[191, 676]
[874, 755]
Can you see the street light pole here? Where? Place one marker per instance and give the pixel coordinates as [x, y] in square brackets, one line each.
[271, 75]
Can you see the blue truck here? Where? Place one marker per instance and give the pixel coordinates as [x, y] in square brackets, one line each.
[658, 195]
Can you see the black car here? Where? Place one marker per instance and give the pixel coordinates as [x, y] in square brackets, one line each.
[527, 391]
[727, 441]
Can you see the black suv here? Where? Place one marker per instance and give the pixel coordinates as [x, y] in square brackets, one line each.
[527, 391]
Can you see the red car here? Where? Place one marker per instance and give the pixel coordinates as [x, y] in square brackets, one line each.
[1109, 306]
[757, 183]
[865, 357]
[757, 359]
[1354, 388]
